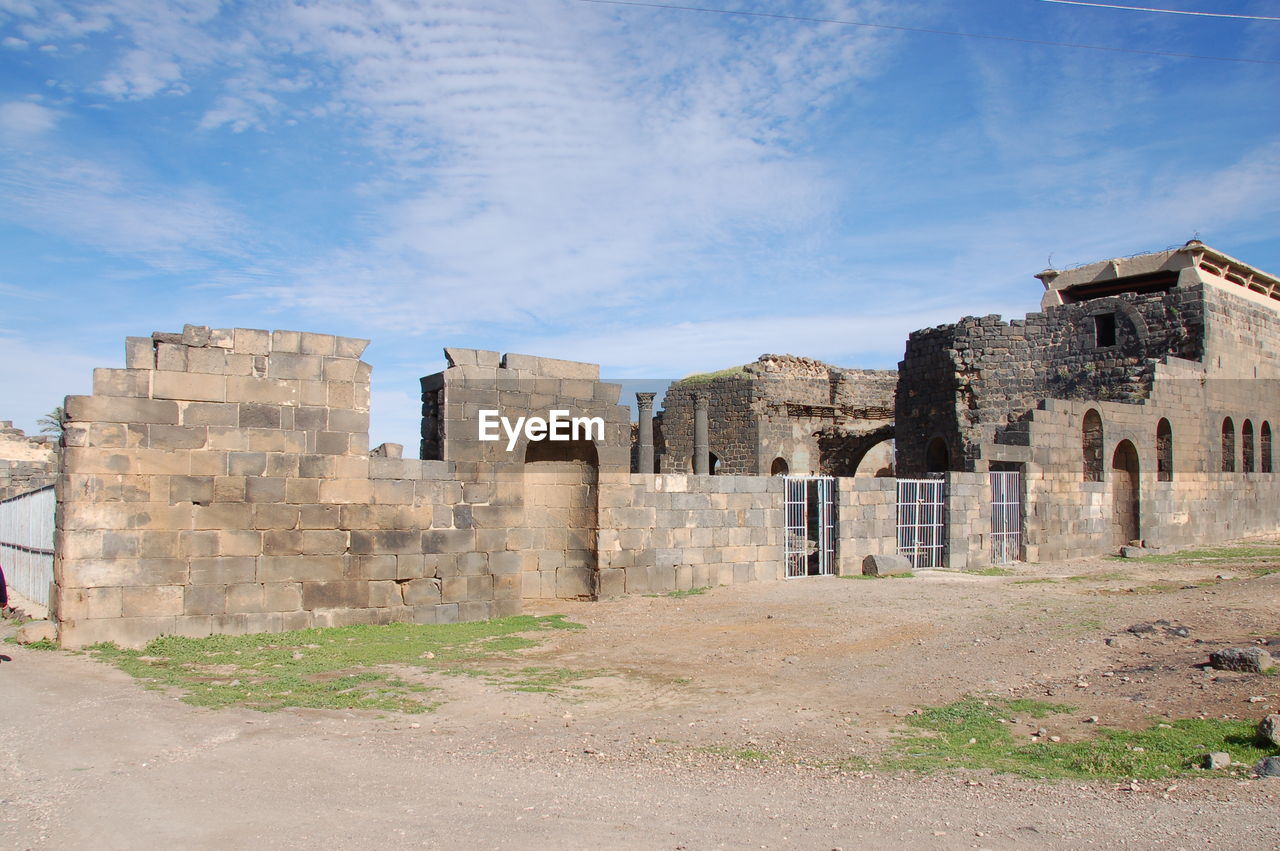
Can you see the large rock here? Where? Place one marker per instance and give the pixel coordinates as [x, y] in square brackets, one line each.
[1269, 767]
[33, 631]
[1253, 660]
[883, 565]
[1269, 729]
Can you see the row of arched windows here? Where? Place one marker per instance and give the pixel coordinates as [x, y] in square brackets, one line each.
[1254, 457]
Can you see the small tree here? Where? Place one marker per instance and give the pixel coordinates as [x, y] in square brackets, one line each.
[51, 423]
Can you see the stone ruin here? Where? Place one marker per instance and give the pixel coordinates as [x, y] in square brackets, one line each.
[781, 414]
[222, 482]
[26, 463]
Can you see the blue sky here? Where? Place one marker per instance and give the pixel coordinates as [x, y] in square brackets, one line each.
[656, 190]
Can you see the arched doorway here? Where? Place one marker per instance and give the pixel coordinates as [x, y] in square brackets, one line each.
[878, 461]
[937, 459]
[779, 467]
[560, 504]
[1126, 499]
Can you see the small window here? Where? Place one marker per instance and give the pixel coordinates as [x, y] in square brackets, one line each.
[1228, 446]
[1104, 330]
[1246, 441]
[1265, 446]
[1091, 446]
[779, 467]
[1164, 451]
[713, 463]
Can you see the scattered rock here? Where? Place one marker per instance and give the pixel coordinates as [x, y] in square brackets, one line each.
[791, 660]
[1217, 761]
[883, 565]
[1142, 629]
[1177, 631]
[33, 631]
[1269, 767]
[1269, 729]
[1114, 642]
[1253, 660]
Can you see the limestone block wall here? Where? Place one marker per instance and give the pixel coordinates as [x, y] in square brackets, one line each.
[26, 463]
[221, 483]
[867, 514]
[661, 533]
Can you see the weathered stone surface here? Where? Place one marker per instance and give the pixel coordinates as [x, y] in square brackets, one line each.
[34, 631]
[1217, 761]
[1247, 659]
[1269, 729]
[883, 565]
[1269, 767]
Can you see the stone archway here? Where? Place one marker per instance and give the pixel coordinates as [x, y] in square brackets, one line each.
[1126, 497]
[560, 504]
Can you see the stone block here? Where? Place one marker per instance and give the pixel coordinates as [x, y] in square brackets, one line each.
[113, 409]
[282, 596]
[259, 489]
[475, 610]
[421, 592]
[300, 568]
[575, 583]
[447, 613]
[453, 589]
[85, 603]
[204, 600]
[883, 565]
[245, 598]
[335, 595]
[223, 570]
[249, 341]
[188, 386]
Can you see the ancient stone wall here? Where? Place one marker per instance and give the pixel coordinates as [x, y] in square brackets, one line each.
[221, 482]
[776, 408]
[661, 533]
[969, 382]
[26, 463]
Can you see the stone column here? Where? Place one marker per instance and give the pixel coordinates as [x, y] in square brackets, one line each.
[644, 457]
[701, 443]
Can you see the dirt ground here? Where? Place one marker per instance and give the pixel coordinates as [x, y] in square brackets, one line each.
[805, 673]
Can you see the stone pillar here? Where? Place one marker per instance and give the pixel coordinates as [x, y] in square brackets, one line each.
[701, 443]
[644, 407]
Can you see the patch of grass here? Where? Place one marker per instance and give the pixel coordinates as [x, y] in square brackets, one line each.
[740, 754]
[705, 377]
[42, 644]
[968, 734]
[688, 592]
[907, 575]
[542, 680]
[1039, 581]
[1111, 576]
[1270, 552]
[990, 571]
[321, 668]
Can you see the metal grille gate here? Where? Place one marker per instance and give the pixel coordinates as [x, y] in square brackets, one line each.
[26, 543]
[810, 538]
[1006, 517]
[922, 514]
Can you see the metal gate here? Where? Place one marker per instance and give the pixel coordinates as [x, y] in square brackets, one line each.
[26, 543]
[1006, 517]
[922, 516]
[810, 539]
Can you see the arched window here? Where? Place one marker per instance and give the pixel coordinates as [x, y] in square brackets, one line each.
[1164, 451]
[1091, 445]
[1264, 444]
[937, 459]
[1228, 446]
[779, 467]
[1246, 441]
[713, 463]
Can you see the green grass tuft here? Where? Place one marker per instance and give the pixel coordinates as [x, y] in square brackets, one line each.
[968, 734]
[991, 571]
[321, 668]
[706, 377]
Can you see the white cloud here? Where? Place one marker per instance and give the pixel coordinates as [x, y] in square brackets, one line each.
[23, 119]
[14, 43]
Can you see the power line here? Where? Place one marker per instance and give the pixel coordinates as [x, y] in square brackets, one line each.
[1008, 38]
[1164, 11]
